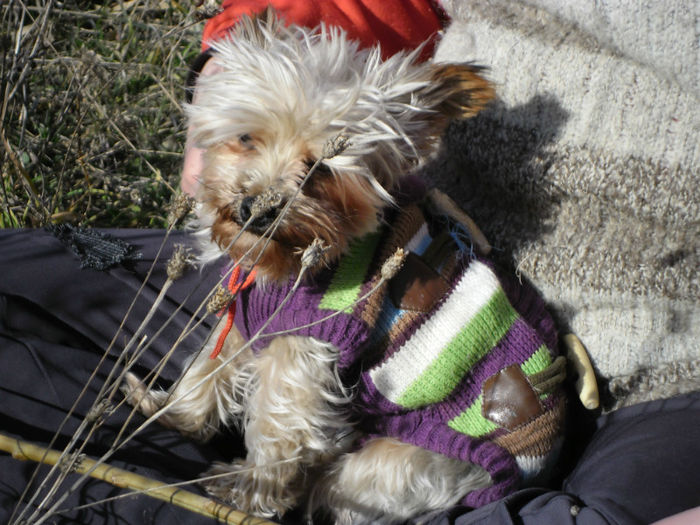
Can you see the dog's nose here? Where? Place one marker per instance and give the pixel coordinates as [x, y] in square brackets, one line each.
[260, 210]
[245, 210]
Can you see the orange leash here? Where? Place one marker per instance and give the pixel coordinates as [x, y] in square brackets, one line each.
[234, 287]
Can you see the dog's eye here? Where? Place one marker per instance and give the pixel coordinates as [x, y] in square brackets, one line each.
[246, 140]
[321, 169]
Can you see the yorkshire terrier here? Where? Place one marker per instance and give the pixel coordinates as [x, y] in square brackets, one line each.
[380, 366]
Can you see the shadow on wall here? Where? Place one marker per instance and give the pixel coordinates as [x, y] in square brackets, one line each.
[496, 165]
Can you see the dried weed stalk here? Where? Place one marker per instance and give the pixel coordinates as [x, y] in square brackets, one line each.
[91, 127]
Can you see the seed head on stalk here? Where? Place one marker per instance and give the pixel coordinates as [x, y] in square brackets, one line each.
[335, 146]
[181, 259]
[220, 300]
[180, 205]
[314, 253]
[393, 264]
[71, 462]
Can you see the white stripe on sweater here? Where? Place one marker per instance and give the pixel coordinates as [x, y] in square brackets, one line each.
[473, 291]
[420, 241]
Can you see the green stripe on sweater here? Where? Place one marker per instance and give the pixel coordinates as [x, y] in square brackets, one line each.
[472, 343]
[537, 361]
[471, 422]
[346, 283]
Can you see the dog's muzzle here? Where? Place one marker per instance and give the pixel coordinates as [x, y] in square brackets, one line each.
[258, 212]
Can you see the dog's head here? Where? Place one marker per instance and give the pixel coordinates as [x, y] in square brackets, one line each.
[285, 99]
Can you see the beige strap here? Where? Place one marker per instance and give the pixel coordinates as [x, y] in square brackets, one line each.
[586, 384]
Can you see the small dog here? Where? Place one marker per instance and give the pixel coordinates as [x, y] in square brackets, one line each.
[378, 390]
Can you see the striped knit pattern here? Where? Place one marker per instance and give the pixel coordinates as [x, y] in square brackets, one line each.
[424, 371]
[466, 326]
[346, 284]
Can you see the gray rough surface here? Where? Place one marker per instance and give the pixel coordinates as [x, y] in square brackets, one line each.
[584, 175]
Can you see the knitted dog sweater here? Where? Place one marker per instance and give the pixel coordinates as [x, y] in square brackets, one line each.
[447, 355]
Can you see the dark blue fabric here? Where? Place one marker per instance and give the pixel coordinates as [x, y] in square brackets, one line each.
[56, 319]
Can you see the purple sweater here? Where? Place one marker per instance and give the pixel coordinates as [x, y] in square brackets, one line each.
[446, 356]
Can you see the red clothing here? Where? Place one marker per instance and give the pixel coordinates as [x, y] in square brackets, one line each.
[394, 24]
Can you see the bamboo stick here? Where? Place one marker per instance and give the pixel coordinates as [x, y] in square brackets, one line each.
[24, 450]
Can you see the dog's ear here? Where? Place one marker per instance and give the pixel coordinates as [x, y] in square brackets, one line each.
[456, 90]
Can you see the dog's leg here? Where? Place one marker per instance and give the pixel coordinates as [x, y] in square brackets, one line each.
[292, 422]
[391, 481]
[198, 412]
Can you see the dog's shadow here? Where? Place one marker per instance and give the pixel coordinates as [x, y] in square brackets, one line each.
[496, 166]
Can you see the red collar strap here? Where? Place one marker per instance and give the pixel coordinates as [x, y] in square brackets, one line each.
[234, 287]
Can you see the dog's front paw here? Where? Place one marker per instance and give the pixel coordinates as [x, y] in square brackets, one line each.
[261, 491]
[180, 415]
[148, 402]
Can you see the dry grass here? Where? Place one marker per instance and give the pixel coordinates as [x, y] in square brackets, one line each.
[92, 123]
